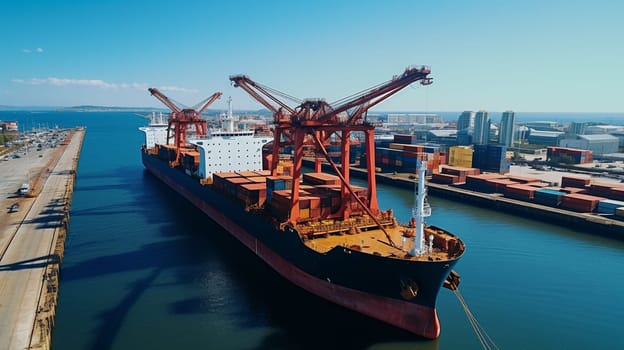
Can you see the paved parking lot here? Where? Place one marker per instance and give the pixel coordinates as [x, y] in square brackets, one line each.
[28, 243]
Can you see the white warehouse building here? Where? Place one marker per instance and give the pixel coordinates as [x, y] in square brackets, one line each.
[598, 143]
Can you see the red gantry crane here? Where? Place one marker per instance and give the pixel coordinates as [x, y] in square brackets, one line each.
[319, 119]
[182, 118]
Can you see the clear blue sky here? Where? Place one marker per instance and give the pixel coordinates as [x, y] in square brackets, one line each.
[560, 55]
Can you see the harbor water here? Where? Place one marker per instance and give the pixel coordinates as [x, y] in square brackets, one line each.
[144, 269]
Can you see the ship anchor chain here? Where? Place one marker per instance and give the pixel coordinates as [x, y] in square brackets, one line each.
[452, 283]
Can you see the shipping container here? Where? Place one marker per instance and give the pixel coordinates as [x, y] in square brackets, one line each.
[405, 139]
[445, 179]
[320, 179]
[580, 202]
[252, 194]
[601, 189]
[548, 197]
[573, 181]
[460, 156]
[520, 191]
[617, 193]
[609, 206]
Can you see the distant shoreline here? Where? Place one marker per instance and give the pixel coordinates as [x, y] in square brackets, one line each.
[613, 118]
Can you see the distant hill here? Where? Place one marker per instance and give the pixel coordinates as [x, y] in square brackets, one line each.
[93, 108]
[90, 108]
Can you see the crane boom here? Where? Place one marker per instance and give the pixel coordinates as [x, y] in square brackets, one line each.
[181, 119]
[164, 99]
[256, 91]
[376, 95]
[318, 118]
[209, 101]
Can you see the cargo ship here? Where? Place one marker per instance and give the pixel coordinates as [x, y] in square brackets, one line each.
[315, 229]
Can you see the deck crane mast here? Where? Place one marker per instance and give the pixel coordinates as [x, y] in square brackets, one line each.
[320, 119]
[181, 119]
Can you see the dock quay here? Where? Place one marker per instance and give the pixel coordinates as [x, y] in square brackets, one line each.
[32, 239]
[587, 222]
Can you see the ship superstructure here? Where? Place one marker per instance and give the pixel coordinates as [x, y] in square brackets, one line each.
[229, 150]
[156, 130]
[315, 229]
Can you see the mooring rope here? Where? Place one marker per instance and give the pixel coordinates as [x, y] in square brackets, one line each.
[482, 335]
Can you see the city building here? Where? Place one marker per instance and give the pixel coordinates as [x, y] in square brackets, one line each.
[577, 128]
[8, 126]
[521, 133]
[419, 121]
[506, 131]
[544, 126]
[443, 136]
[481, 134]
[620, 136]
[546, 138]
[464, 136]
[604, 129]
[598, 143]
[466, 120]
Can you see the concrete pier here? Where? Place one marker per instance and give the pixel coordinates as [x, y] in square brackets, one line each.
[32, 240]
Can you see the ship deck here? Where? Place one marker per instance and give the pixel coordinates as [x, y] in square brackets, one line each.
[363, 234]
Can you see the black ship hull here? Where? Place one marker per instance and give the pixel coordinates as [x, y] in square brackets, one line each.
[369, 284]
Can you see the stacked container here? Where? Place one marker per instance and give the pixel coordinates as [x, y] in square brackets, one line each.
[219, 180]
[580, 202]
[252, 194]
[320, 179]
[601, 189]
[456, 175]
[523, 179]
[564, 155]
[447, 179]
[609, 206]
[404, 157]
[574, 181]
[406, 139]
[190, 161]
[548, 197]
[498, 185]
[233, 183]
[479, 182]
[277, 183]
[460, 156]
[617, 193]
[491, 158]
[167, 152]
[520, 191]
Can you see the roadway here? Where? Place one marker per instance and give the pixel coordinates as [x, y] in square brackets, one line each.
[29, 254]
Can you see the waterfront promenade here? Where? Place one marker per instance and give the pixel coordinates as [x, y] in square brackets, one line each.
[32, 241]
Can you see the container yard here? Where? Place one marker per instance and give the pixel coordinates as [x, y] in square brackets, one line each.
[536, 194]
[487, 169]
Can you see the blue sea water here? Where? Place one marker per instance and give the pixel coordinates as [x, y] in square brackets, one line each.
[144, 269]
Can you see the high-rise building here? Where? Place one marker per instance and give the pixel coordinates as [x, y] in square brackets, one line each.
[465, 120]
[506, 131]
[578, 128]
[481, 135]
